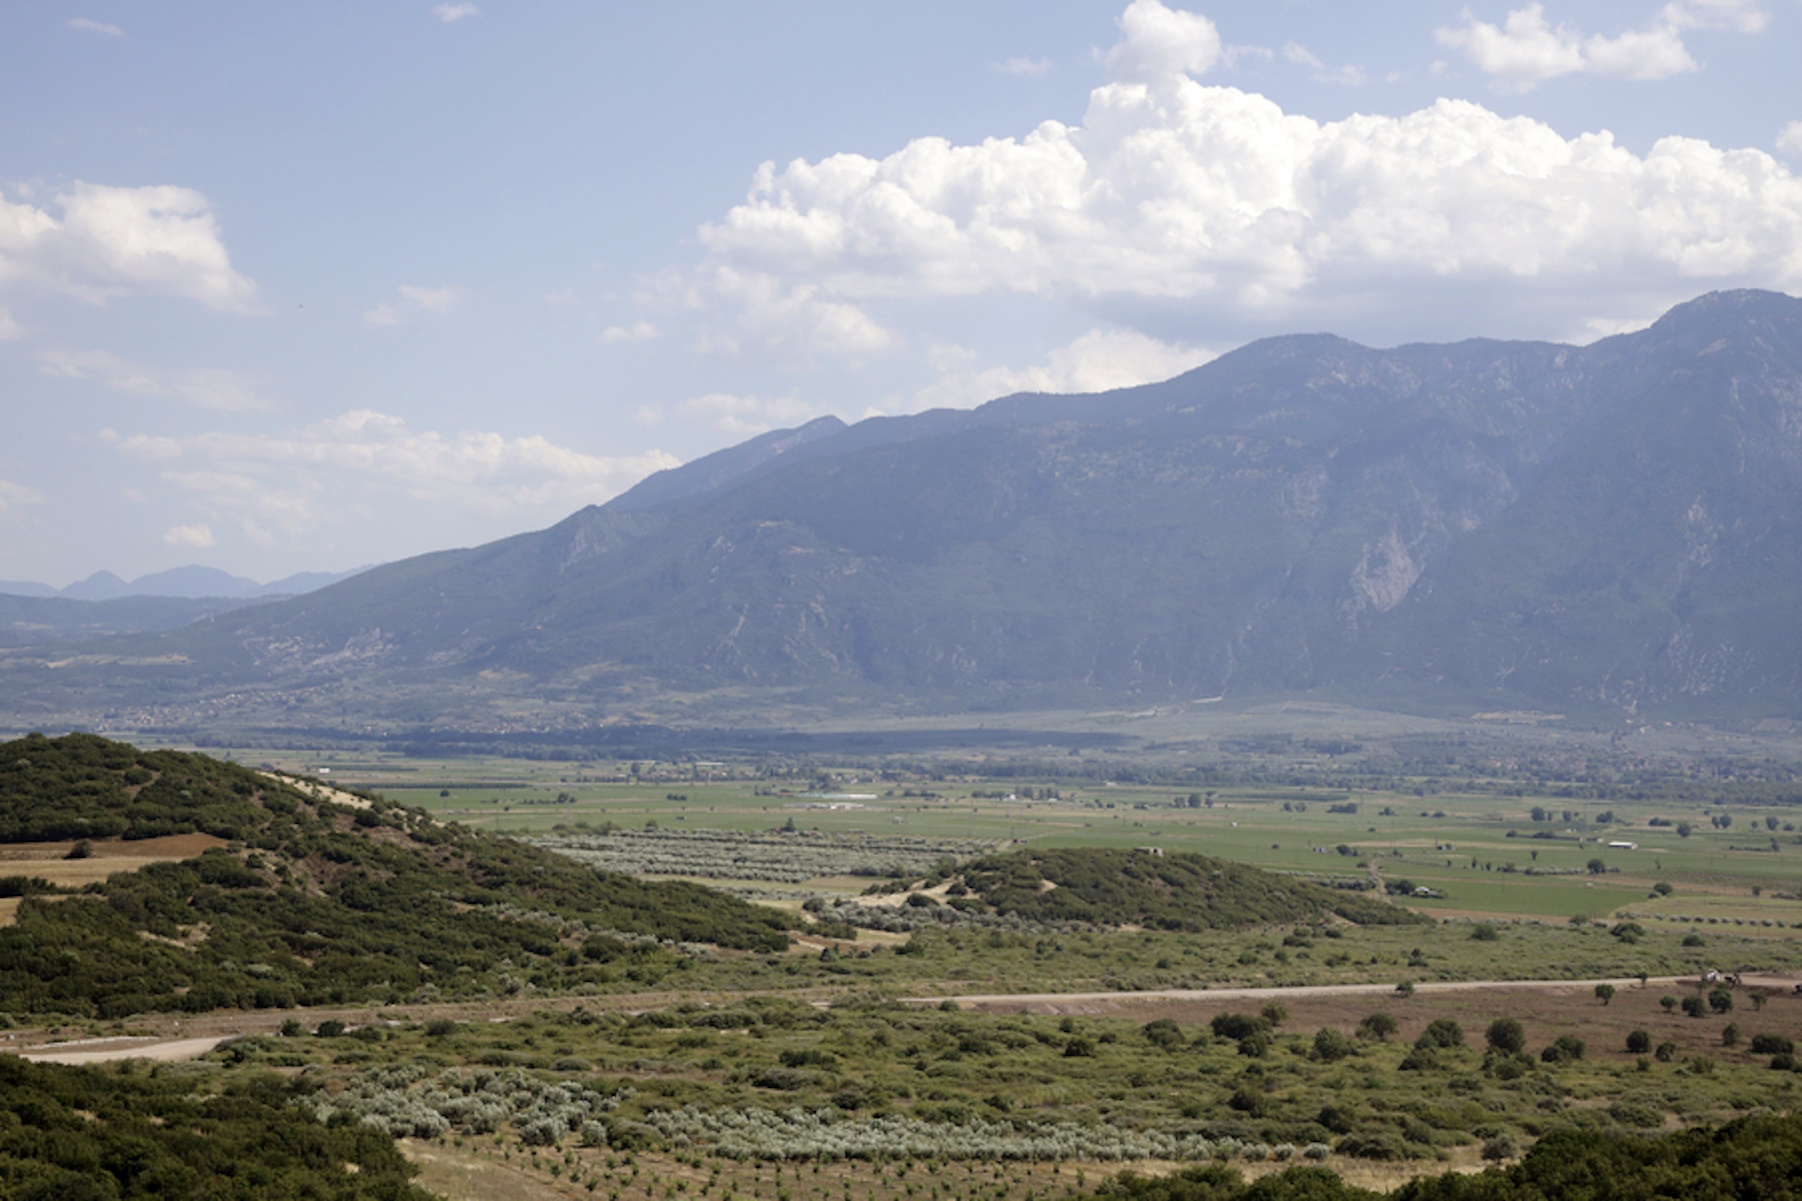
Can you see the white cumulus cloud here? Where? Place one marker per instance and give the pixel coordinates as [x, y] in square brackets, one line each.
[1098, 361]
[1158, 41]
[205, 388]
[189, 537]
[1527, 49]
[110, 241]
[87, 25]
[452, 13]
[290, 484]
[1205, 205]
[1789, 140]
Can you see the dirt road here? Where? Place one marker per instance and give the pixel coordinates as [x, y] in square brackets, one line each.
[194, 1036]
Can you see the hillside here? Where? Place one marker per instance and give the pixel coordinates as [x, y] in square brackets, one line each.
[1480, 525]
[1181, 892]
[303, 900]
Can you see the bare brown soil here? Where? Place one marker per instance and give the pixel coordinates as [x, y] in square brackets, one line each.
[50, 860]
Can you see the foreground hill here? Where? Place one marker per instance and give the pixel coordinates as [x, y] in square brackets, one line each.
[305, 900]
[1481, 524]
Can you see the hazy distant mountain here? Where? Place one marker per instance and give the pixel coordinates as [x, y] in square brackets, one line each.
[42, 620]
[193, 582]
[103, 604]
[1486, 523]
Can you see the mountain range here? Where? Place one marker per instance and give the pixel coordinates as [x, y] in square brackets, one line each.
[192, 582]
[1483, 524]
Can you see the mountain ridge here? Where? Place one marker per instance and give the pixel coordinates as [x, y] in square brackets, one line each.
[1481, 523]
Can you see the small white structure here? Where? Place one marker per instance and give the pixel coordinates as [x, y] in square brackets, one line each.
[1623, 846]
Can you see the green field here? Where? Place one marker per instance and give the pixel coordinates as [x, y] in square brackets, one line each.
[1476, 849]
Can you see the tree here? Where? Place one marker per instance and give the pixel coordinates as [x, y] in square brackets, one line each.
[1639, 1042]
[1684, 829]
[1730, 1035]
[1506, 1034]
[1720, 999]
[1604, 993]
[1378, 1026]
[1597, 867]
[1693, 1006]
[1669, 1002]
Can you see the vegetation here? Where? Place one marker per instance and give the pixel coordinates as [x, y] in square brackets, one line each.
[1179, 892]
[87, 1134]
[1752, 1157]
[315, 902]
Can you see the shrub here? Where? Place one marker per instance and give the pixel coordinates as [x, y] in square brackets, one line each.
[1730, 1035]
[1237, 1025]
[1639, 1042]
[1694, 1006]
[1771, 1044]
[1604, 993]
[1332, 1045]
[1564, 1049]
[1506, 1034]
[1441, 1032]
[1498, 1148]
[1164, 1034]
[1485, 932]
[1378, 1026]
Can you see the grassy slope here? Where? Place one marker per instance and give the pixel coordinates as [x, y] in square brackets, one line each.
[311, 902]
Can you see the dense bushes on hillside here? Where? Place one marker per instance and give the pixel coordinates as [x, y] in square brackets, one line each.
[83, 786]
[1759, 1157]
[320, 903]
[88, 1134]
[1184, 892]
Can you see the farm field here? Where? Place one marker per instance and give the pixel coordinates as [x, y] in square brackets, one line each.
[983, 996]
[1477, 853]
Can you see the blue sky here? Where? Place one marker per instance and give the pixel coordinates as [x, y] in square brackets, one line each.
[303, 287]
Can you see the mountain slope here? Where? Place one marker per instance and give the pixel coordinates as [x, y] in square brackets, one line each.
[1475, 524]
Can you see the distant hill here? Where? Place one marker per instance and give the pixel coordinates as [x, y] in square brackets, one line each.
[42, 620]
[1479, 525]
[1177, 891]
[192, 583]
[304, 899]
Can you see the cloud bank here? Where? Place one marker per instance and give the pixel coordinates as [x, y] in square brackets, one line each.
[1205, 204]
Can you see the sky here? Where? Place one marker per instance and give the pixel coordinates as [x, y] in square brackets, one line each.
[305, 287]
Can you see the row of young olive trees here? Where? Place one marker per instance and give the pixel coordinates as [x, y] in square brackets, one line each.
[790, 858]
[410, 1101]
